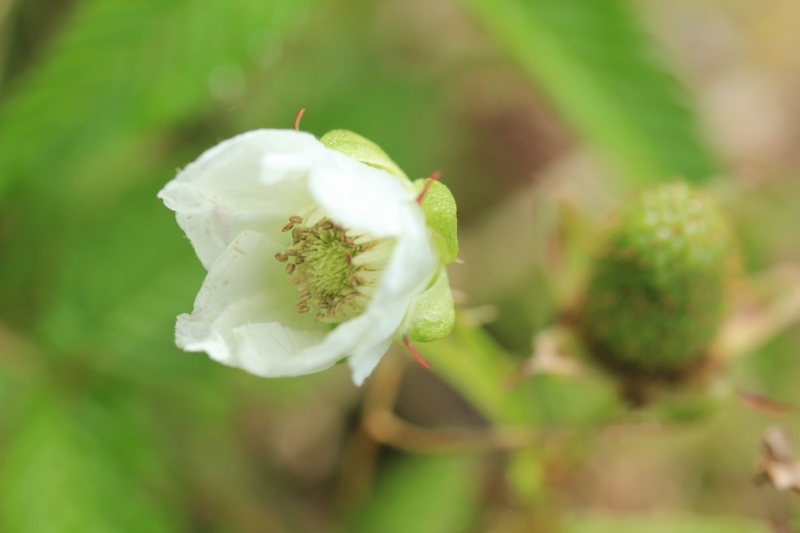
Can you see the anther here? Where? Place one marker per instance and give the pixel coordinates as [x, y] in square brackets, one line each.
[288, 226]
[295, 235]
[290, 268]
[302, 308]
[281, 257]
[296, 219]
[319, 317]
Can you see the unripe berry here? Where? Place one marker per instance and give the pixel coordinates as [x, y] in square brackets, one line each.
[656, 296]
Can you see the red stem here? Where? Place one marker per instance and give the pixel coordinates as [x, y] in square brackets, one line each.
[421, 360]
[297, 119]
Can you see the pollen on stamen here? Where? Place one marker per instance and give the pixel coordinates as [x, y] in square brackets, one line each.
[325, 261]
[293, 221]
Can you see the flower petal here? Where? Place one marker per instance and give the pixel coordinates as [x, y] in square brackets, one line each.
[362, 198]
[221, 194]
[363, 363]
[244, 314]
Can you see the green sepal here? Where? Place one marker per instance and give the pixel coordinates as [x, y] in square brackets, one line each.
[357, 147]
[432, 314]
[440, 214]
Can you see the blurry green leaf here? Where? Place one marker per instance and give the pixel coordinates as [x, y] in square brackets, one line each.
[80, 465]
[662, 524]
[423, 494]
[122, 288]
[121, 69]
[597, 66]
[575, 402]
[473, 363]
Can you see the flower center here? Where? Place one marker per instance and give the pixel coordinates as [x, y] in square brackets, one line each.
[336, 271]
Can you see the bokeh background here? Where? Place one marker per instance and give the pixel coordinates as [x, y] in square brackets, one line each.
[542, 116]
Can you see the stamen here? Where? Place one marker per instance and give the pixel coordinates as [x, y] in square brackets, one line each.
[293, 220]
[295, 235]
[332, 267]
[435, 176]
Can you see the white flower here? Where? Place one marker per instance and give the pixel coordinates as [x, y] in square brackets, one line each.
[312, 256]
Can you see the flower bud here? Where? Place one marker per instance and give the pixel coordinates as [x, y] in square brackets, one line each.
[657, 293]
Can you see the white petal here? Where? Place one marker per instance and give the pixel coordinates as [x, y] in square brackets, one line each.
[363, 363]
[363, 198]
[244, 314]
[274, 350]
[281, 166]
[360, 197]
[221, 194]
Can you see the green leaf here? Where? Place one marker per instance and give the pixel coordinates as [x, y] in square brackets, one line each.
[598, 68]
[423, 494]
[662, 524]
[120, 70]
[121, 289]
[473, 363]
[80, 465]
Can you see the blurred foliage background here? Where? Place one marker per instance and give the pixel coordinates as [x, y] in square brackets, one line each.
[534, 110]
